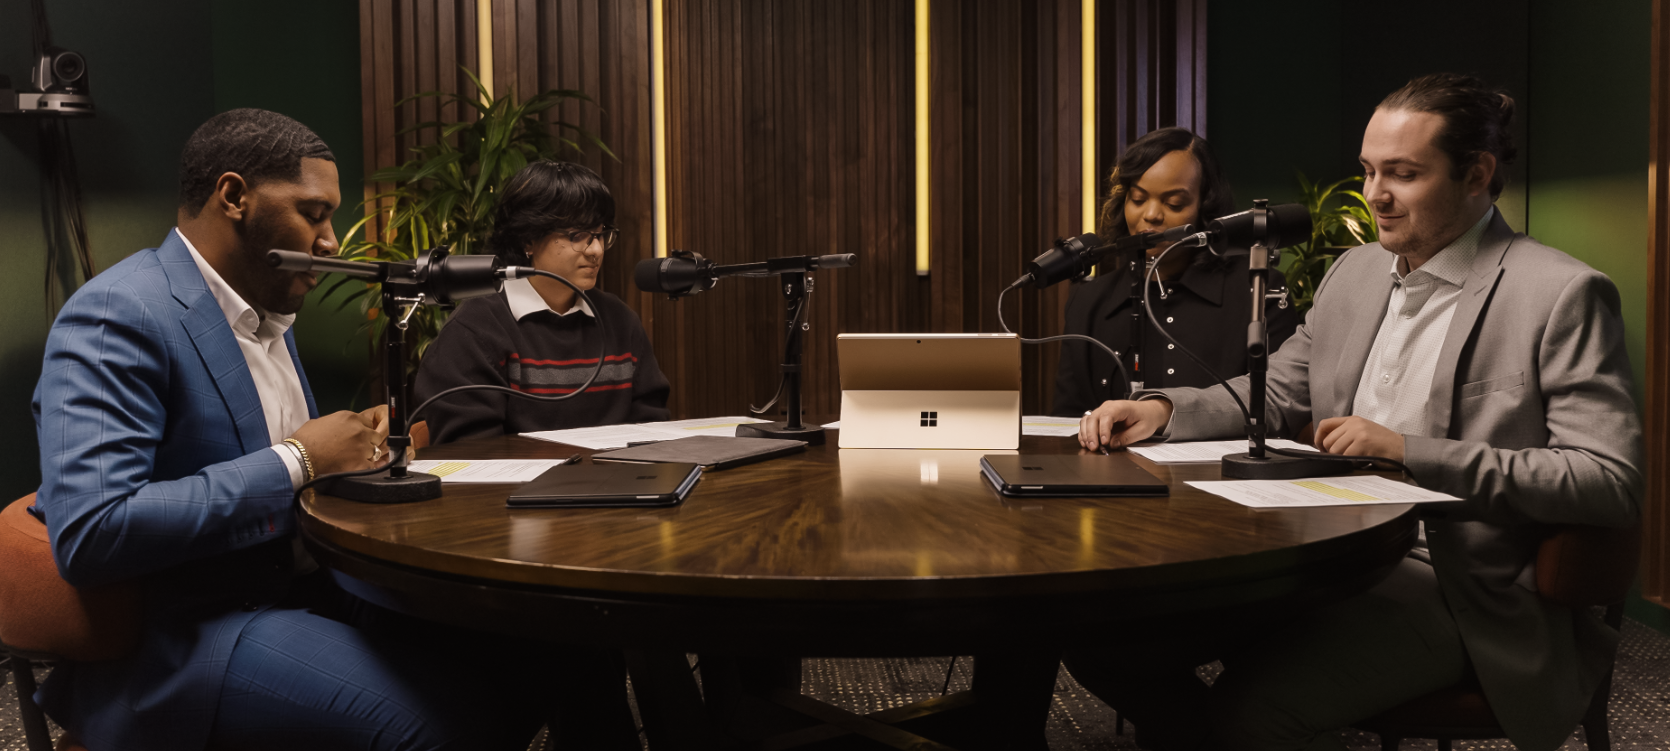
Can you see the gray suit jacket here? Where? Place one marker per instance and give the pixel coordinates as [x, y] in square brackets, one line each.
[1531, 402]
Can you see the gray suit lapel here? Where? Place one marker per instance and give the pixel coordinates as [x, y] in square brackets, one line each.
[1475, 294]
[1353, 355]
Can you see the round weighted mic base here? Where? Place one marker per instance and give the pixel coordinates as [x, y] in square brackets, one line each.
[381, 488]
[1276, 467]
[813, 435]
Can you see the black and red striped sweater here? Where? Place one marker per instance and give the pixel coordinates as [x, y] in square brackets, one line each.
[543, 353]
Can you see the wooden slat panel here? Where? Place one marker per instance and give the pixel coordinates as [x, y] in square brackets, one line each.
[790, 131]
[1655, 543]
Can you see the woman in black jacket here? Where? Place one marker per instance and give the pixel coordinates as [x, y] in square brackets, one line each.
[1165, 179]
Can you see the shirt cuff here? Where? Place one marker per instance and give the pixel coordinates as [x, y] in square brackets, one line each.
[292, 461]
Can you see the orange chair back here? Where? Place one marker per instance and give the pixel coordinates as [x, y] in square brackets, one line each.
[40, 612]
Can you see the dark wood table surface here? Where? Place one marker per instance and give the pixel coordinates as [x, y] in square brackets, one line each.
[857, 551]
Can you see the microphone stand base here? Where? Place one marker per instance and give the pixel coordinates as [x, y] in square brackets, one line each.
[381, 488]
[1277, 467]
[813, 435]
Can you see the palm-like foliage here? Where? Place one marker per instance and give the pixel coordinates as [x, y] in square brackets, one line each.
[445, 195]
[1347, 221]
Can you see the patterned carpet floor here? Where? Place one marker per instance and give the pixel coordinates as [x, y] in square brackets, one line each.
[1640, 709]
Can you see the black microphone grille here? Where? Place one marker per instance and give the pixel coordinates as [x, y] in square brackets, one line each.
[647, 275]
[1290, 224]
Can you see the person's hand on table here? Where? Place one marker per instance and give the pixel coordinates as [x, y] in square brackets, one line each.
[1357, 436]
[1122, 423]
[344, 441]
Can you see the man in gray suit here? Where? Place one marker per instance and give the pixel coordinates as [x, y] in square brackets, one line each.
[1492, 366]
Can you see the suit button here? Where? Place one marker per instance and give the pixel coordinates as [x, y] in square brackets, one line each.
[1104, 381]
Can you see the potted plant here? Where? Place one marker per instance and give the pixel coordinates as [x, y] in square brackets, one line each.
[445, 195]
[1340, 218]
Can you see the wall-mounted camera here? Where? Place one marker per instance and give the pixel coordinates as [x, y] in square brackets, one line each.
[57, 86]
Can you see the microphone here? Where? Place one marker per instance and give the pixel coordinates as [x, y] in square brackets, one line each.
[1074, 256]
[684, 273]
[437, 277]
[1276, 227]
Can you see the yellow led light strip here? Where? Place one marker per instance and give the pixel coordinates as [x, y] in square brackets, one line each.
[1088, 106]
[658, 118]
[484, 48]
[922, 83]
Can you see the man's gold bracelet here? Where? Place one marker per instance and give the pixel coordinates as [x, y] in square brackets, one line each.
[307, 461]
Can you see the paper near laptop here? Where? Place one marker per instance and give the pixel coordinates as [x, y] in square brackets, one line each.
[930, 391]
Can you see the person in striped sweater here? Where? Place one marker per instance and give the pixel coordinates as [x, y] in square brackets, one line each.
[536, 335]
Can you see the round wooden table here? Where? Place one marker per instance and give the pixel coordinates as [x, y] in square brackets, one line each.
[847, 552]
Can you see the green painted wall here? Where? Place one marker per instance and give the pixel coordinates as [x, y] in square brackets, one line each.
[157, 71]
[1578, 72]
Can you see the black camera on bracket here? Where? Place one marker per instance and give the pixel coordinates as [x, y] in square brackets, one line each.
[57, 86]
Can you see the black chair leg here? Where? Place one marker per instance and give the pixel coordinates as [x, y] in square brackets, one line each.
[34, 721]
[1389, 742]
[1443, 744]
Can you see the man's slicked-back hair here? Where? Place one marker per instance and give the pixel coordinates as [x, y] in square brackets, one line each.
[1476, 119]
[542, 198]
[256, 144]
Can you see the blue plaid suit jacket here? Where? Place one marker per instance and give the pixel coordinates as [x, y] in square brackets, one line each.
[155, 469]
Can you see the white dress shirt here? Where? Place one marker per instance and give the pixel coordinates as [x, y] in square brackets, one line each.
[261, 338]
[1397, 378]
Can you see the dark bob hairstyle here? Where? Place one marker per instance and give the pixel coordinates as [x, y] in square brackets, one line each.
[545, 197]
[1215, 198]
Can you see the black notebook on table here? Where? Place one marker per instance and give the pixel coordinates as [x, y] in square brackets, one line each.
[607, 486]
[1069, 475]
[707, 451]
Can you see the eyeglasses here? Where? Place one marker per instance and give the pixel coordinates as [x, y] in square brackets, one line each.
[583, 237]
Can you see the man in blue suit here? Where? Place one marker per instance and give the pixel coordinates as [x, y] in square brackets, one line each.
[175, 422]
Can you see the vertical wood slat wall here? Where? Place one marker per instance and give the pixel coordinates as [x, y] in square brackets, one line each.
[1655, 547]
[790, 131]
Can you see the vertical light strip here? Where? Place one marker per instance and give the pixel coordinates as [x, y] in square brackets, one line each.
[1088, 104]
[484, 47]
[658, 119]
[922, 83]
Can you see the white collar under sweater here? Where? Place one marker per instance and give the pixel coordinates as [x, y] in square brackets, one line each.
[525, 300]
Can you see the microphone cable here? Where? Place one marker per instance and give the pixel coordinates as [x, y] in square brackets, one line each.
[1200, 240]
[396, 454]
[1060, 337]
[799, 320]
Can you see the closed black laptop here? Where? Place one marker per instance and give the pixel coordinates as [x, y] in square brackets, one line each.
[1069, 475]
[607, 485]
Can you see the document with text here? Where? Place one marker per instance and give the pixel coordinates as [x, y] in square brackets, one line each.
[1320, 491]
[620, 436]
[484, 470]
[1064, 427]
[1205, 452]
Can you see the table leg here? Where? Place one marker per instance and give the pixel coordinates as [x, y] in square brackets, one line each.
[1013, 691]
[670, 703]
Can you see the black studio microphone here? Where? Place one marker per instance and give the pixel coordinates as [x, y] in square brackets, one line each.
[1274, 226]
[442, 278]
[684, 273]
[1073, 256]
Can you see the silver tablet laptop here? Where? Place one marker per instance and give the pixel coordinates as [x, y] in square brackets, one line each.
[930, 391]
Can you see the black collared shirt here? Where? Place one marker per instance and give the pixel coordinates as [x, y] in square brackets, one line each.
[1206, 309]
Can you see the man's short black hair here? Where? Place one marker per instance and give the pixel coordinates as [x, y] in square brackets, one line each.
[256, 144]
[1476, 119]
[545, 197]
